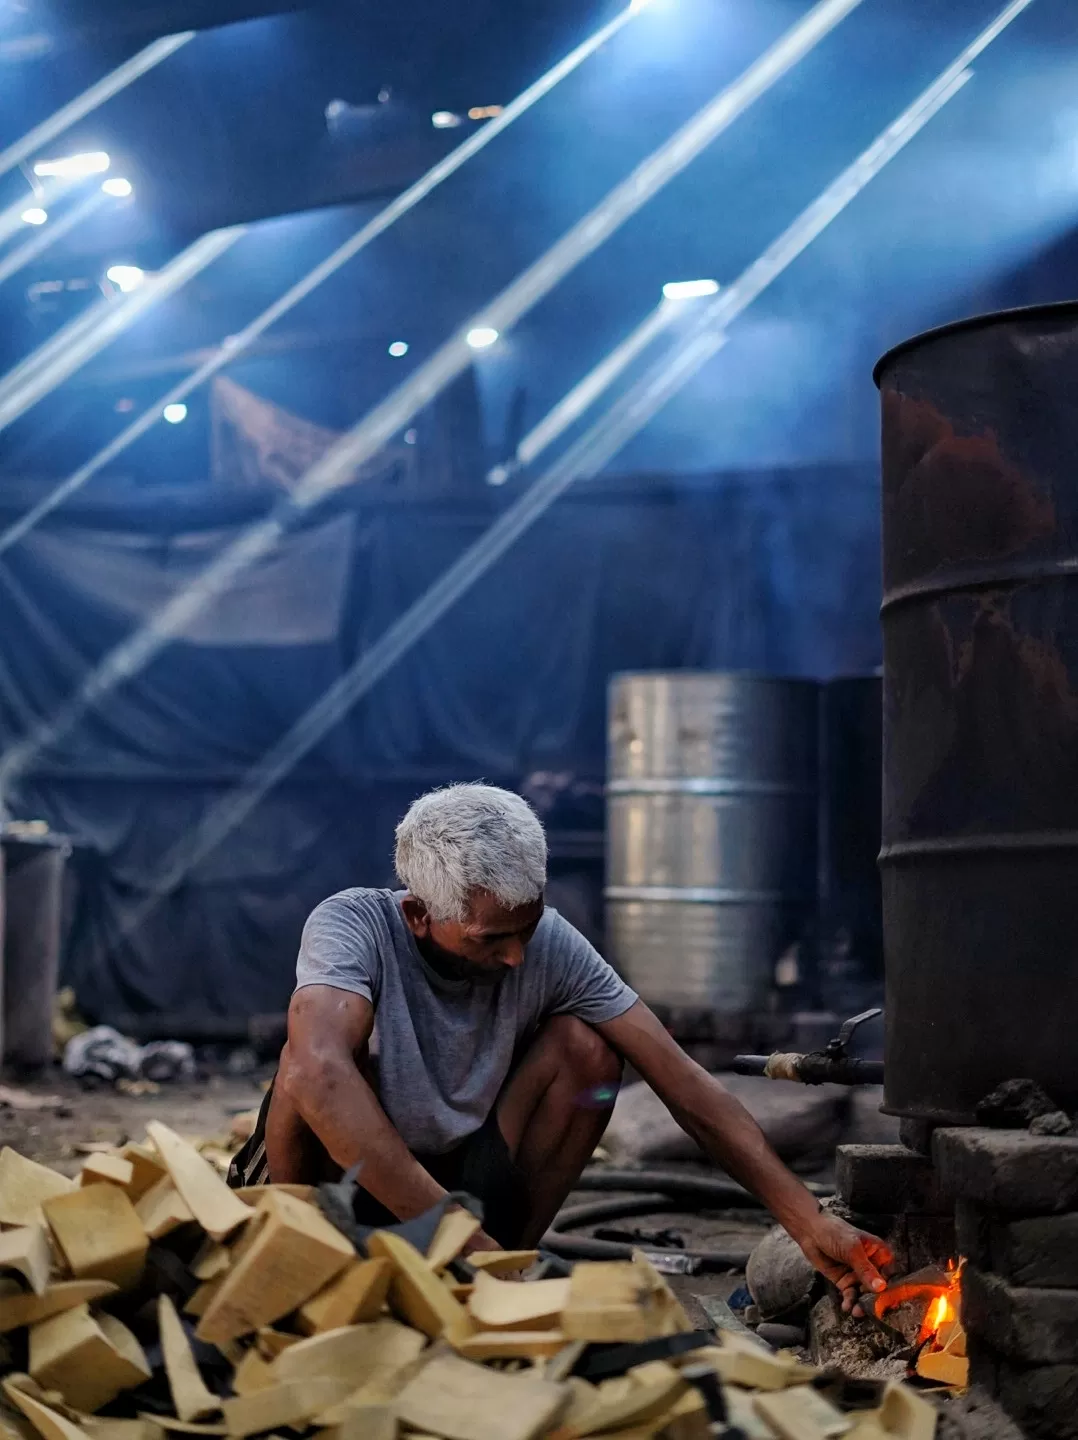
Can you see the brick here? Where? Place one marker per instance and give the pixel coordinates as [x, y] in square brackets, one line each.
[1009, 1170]
[1037, 1326]
[889, 1178]
[1044, 1400]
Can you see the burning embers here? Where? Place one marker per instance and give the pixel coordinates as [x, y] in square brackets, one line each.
[924, 1309]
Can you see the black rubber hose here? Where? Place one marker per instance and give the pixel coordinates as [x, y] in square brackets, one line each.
[651, 1192]
[654, 1191]
[709, 1193]
[584, 1247]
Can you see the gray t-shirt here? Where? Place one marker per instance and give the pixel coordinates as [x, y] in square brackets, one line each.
[445, 1046]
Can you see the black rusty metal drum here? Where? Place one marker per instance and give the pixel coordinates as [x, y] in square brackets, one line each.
[980, 756]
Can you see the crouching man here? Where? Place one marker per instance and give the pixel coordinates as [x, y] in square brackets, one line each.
[458, 1035]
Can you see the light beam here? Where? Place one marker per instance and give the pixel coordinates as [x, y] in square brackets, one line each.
[237, 344]
[584, 459]
[48, 235]
[427, 381]
[84, 104]
[729, 303]
[39, 374]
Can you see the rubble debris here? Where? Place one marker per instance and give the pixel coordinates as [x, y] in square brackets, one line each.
[88, 1358]
[1056, 1122]
[1014, 1105]
[24, 1185]
[152, 1301]
[13, 1098]
[99, 1234]
[216, 1208]
[108, 1169]
[25, 1251]
[190, 1395]
[102, 1053]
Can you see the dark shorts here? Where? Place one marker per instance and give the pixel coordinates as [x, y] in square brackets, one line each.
[480, 1165]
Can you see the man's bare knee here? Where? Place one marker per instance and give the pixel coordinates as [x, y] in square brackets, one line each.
[584, 1051]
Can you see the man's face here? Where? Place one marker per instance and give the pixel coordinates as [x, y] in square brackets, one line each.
[483, 947]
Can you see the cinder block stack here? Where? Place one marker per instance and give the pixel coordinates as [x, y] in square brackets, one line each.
[896, 1193]
[1016, 1199]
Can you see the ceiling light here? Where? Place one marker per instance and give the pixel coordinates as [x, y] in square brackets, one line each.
[73, 167]
[34, 216]
[398, 348]
[481, 336]
[445, 120]
[690, 289]
[484, 112]
[125, 277]
[118, 186]
[174, 413]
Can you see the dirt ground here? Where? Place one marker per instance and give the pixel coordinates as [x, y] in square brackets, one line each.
[202, 1109]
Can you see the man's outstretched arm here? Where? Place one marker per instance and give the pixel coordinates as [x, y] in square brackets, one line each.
[725, 1130]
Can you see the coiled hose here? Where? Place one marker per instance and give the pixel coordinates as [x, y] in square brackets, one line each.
[652, 1192]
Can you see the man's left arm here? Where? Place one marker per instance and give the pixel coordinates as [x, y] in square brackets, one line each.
[728, 1134]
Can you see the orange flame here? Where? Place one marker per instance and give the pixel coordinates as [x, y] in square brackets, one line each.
[945, 1306]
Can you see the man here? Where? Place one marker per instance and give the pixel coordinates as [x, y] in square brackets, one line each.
[460, 1036]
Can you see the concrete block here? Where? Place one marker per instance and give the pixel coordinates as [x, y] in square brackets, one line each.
[984, 1365]
[1035, 1326]
[889, 1178]
[1043, 1399]
[1038, 1253]
[1041, 1252]
[1009, 1169]
[973, 1234]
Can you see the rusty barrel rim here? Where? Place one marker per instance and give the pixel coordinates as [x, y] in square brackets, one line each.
[1051, 310]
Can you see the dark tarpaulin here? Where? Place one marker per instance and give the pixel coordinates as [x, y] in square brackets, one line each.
[776, 572]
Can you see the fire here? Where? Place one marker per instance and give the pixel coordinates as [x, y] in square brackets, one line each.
[939, 1313]
[943, 1310]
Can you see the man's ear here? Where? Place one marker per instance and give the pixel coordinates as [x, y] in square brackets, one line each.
[416, 916]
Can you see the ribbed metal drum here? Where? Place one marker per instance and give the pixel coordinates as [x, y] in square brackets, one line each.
[980, 737]
[711, 833]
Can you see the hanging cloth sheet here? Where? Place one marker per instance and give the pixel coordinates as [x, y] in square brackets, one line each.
[777, 572]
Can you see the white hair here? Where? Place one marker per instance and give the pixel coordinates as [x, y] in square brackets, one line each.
[471, 837]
